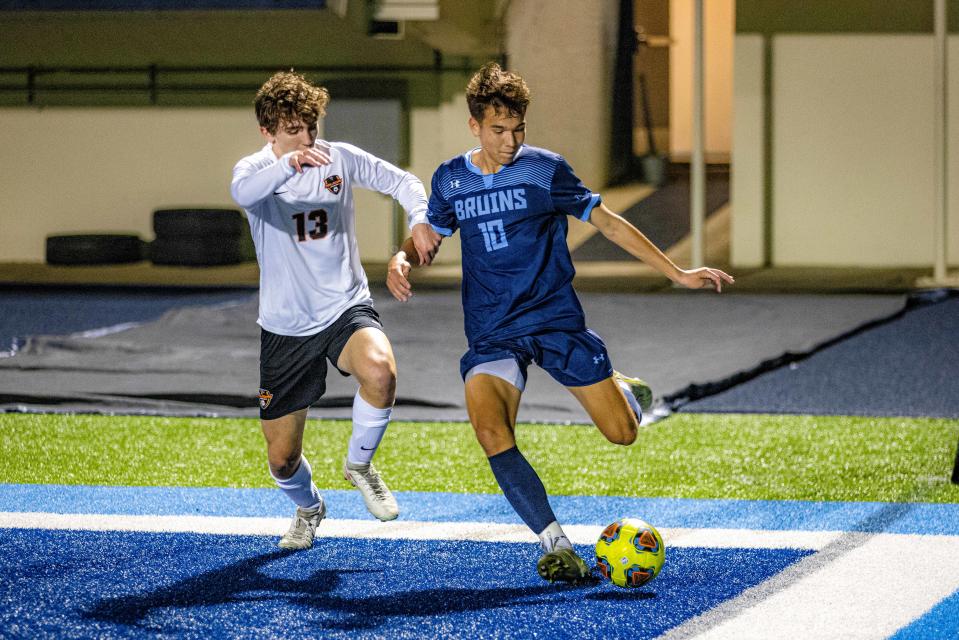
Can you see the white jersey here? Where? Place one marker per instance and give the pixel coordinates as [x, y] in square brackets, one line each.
[304, 230]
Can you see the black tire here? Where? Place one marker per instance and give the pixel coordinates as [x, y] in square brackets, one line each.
[194, 223]
[197, 251]
[105, 248]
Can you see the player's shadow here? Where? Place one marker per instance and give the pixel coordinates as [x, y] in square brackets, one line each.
[245, 582]
[621, 595]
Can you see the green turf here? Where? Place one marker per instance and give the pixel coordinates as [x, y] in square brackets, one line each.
[688, 456]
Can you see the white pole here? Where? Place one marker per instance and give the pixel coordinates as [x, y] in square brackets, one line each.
[941, 177]
[697, 195]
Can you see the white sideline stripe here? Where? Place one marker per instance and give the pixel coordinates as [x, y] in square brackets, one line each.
[405, 530]
[870, 592]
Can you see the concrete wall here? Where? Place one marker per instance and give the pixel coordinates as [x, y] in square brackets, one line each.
[79, 170]
[211, 38]
[748, 178]
[851, 150]
[565, 50]
[103, 161]
[833, 146]
[70, 170]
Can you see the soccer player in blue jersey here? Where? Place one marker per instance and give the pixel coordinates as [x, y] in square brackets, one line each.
[510, 202]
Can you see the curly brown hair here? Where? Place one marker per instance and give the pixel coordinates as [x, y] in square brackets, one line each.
[491, 86]
[287, 97]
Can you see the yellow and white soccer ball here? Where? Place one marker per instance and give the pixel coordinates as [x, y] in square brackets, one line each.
[630, 552]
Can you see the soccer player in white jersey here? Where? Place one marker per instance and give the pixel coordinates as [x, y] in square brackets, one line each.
[315, 303]
[510, 202]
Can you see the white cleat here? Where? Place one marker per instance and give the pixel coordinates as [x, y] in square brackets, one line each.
[303, 528]
[377, 496]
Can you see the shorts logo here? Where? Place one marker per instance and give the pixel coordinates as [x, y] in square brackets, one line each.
[333, 184]
[265, 397]
[598, 359]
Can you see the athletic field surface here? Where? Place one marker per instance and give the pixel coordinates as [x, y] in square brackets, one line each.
[831, 514]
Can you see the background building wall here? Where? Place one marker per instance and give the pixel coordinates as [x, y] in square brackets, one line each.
[565, 51]
[100, 166]
[748, 180]
[834, 145]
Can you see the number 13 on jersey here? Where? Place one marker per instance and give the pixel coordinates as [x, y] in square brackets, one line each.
[321, 226]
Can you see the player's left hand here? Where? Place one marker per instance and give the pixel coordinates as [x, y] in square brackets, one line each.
[426, 241]
[705, 278]
[397, 277]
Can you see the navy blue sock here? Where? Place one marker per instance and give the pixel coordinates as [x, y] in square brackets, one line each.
[523, 488]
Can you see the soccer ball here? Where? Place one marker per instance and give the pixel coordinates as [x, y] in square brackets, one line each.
[630, 552]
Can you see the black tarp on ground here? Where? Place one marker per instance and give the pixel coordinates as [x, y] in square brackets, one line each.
[203, 360]
[34, 310]
[906, 367]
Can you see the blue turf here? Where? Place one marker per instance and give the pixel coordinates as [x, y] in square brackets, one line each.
[908, 518]
[907, 367]
[95, 584]
[62, 310]
[940, 622]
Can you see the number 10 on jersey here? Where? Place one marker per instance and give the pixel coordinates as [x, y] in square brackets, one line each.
[493, 234]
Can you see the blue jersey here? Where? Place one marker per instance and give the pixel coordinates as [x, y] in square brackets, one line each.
[517, 271]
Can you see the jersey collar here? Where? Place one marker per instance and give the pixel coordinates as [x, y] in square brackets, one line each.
[468, 158]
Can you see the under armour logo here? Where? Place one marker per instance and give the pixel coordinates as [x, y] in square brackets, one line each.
[454, 184]
[599, 358]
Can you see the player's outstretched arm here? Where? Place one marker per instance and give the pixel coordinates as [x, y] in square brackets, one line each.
[402, 262]
[624, 235]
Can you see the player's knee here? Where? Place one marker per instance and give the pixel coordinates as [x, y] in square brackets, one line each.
[623, 433]
[284, 467]
[379, 380]
[493, 437]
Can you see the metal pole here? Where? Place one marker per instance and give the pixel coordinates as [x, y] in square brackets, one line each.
[697, 195]
[941, 178]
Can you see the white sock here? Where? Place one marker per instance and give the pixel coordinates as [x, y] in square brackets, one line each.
[369, 425]
[299, 487]
[552, 538]
[631, 399]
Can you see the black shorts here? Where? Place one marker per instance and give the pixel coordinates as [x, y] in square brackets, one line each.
[293, 369]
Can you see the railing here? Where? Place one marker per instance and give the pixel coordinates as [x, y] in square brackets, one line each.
[37, 85]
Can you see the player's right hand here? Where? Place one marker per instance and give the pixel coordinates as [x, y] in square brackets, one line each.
[312, 157]
[397, 277]
[426, 241]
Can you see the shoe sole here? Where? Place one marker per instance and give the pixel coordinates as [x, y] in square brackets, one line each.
[293, 547]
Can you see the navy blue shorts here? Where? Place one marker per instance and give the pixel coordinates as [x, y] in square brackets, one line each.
[572, 358]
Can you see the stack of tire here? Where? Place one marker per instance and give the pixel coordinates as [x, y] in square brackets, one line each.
[100, 248]
[200, 237]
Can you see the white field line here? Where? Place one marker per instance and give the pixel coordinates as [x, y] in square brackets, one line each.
[406, 530]
[867, 588]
